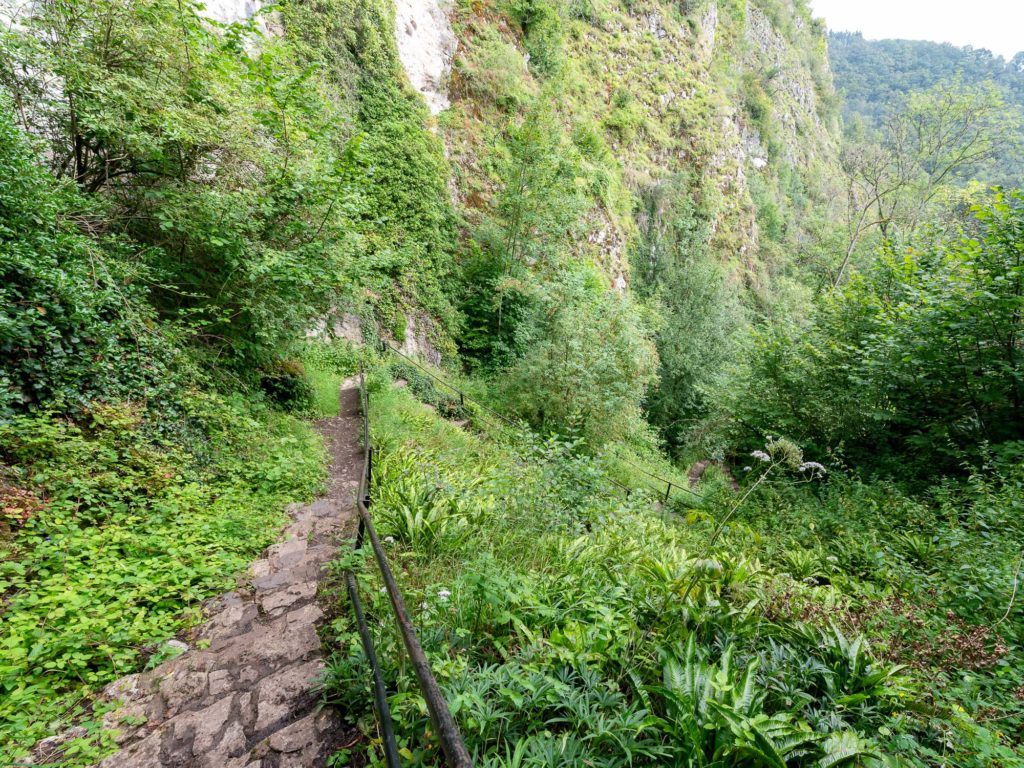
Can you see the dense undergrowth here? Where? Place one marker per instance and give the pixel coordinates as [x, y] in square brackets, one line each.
[635, 230]
[142, 461]
[115, 529]
[569, 625]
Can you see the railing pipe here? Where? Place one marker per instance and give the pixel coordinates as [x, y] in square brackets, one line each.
[380, 694]
[456, 754]
[444, 724]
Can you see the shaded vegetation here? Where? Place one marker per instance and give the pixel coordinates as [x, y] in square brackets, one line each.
[640, 231]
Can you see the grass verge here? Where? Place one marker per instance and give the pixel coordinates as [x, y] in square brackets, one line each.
[569, 625]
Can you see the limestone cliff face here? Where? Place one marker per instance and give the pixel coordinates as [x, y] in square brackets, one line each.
[233, 11]
[723, 110]
[734, 94]
[711, 123]
[426, 46]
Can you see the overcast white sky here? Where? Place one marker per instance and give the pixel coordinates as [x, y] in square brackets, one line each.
[994, 24]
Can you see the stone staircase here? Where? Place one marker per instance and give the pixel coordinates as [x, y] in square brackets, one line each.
[244, 695]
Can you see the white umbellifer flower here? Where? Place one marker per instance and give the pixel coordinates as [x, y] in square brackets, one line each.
[761, 456]
[812, 466]
[747, 468]
[443, 595]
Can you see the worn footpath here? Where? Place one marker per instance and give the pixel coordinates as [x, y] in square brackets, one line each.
[244, 694]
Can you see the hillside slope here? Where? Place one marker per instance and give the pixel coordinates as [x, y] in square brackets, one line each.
[876, 77]
[627, 228]
[653, 158]
[728, 106]
[731, 96]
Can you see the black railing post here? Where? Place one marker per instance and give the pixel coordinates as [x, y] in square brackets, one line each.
[380, 694]
[369, 474]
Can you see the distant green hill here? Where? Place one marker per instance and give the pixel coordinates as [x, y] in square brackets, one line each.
[876, 74]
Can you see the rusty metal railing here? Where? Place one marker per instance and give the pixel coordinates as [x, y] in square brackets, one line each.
[455, 752]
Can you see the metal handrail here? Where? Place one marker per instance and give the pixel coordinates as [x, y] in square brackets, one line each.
[456, 754]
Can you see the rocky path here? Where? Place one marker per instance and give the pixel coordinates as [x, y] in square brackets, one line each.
[244, 694]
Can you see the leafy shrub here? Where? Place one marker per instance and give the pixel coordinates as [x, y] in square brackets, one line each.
[286, 384]
[446, 402]
[588, 140]
[218, 161]
[338, 356]
[587, 362]
[74, 322]
[543, 32]
[906, 368]
[756, 101]
[625, 117]
[132, 536]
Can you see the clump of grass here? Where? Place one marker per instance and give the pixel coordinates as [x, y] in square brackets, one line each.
[326, 386]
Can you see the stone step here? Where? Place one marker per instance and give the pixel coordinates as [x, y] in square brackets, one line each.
[246, 696]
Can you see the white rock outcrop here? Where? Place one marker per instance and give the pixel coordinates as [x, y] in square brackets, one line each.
[426, 46]
[233, 11]
[230, 11]
[417, 341]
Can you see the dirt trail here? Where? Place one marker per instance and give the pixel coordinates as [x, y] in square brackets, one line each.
[248, 700]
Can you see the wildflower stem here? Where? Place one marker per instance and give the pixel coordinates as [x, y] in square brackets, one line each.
[721, 525]
[1013, 595]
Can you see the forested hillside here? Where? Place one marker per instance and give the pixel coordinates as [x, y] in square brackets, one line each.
[874, 75]
[745, 487]
[876, 78]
